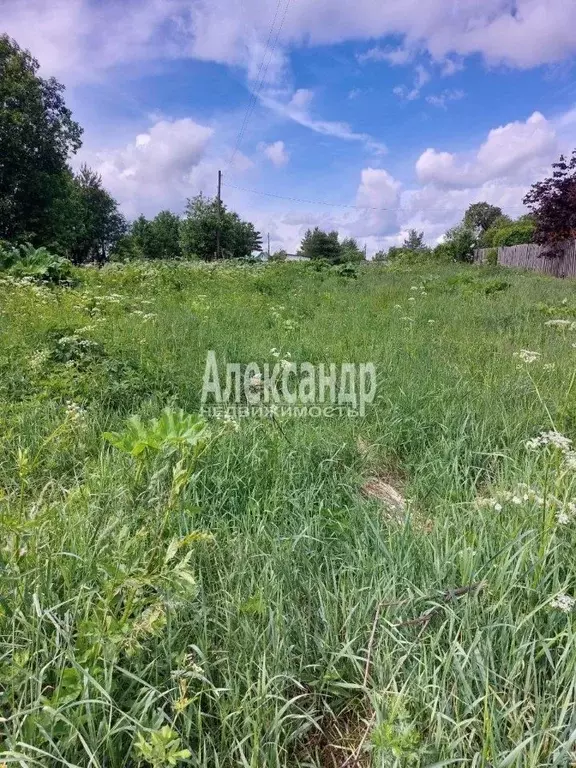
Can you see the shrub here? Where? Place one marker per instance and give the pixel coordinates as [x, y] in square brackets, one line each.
[347, 270]
[36, 263]
[517, 233]
[443, 252]
[462, 242]
[492, 257]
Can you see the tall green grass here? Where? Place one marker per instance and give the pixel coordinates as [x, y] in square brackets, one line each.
[270, 614]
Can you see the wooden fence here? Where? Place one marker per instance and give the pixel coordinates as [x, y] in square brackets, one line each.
[530, 257]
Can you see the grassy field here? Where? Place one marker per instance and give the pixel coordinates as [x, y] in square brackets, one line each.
[248, 604]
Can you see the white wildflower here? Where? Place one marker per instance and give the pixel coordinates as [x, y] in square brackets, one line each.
[563, 518]
[549, 366]
[517, 500]
[74, 412]
[570, 459]
[39, 358]
[555, 439]
[229, 421]
[431, 322]
[397, 306]
[568, 325]
[412, 298]
[563, 602]
[527, 356]
[498, 507]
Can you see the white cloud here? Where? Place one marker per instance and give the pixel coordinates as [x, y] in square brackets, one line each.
[380, 193]
[297, 109]
[451, 66]
[394, 56]
[441, 99]
[77, 39]
[511, 151]
[276, 153]
[159, 168]
[421, 77]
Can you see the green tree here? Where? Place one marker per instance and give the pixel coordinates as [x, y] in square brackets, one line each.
[321, 246]
[141, 234]
[350, 251]
[461, 242]
[37, 135]
[485, 239]
[505, 231]
[158, 238]
[479, 217]
[165, 228]
[280, 255]
[200, 226]
[414, 241]
[100, 224]
[515, 233]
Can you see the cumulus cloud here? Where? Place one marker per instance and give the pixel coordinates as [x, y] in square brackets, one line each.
[380, 193]
[276, 153]
[512, 150]
[159, 168]
[78, 40]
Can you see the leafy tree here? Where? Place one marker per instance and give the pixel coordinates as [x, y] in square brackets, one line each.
[479, 217]
[461, 242]
[100, 224]
[199, 228]
[444, 252]
[380, 256]
[414, 241]
[321, 246]
[37, 135]
[394, 252]
[553, 204]
[141, 234]
[350, 252]
[514, 233]
[158, 238]
[485, 239]
[165, 228]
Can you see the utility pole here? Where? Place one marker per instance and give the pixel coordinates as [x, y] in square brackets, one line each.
[219, 205]
[268, 244]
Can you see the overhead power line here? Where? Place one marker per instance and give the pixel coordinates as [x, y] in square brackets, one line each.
[261, 77]
[344, 205]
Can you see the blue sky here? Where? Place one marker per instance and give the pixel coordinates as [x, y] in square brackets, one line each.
[399, 114]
